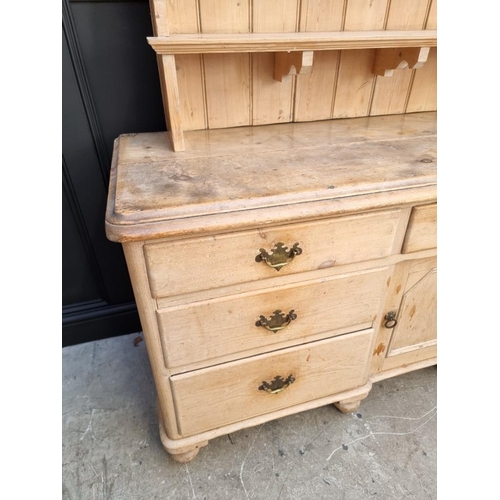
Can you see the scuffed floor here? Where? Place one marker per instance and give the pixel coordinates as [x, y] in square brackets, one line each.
[112, 451]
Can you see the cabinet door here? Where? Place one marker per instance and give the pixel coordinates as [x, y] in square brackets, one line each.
[413, 298]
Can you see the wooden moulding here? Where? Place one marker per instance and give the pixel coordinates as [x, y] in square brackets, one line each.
[291, 42]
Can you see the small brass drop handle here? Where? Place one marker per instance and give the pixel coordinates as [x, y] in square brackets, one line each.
[280, 255]
[277, 321]
[277, 385]
[391, 320]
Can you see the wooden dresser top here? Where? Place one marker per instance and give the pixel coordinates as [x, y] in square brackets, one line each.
[252, 176]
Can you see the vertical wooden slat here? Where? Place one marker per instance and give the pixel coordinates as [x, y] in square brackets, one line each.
[407, 14]
[355, 83]
[391, 93]
[272, 100]
[355, 80]
[182, 17]
[432, 19]
[365, 15]
[321, 15]
[227, 76]
[423, 94]
[224, 16]
[314, 91]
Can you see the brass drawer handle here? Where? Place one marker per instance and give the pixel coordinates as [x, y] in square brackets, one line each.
[390, 320]
[280, 255]
[277, 385]
[277, 321]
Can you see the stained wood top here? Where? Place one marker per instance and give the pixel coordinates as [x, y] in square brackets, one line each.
[254, 176]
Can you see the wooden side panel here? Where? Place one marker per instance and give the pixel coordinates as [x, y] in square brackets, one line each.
[391, 93]
[182, 16]
[271, 100]
[344, 303]
[423, 94]
[355, 84]
[231, 390]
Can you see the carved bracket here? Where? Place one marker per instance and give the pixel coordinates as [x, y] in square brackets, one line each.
[292, 63]
[387, 60]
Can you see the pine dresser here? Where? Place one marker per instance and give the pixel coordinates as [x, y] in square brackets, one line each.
[281, 239]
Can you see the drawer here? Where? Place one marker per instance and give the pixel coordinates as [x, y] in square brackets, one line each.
[219, 327]
[422, 229]
[232, 390]
[181, 266]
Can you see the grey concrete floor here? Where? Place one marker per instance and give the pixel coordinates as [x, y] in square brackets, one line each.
[112, 451]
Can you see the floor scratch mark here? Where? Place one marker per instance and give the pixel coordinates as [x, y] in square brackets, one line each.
[371, 434]
[244, 460]
[89, 427]
[190, 482]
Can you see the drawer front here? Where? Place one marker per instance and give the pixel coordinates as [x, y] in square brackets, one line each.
[422, 229]
[183, 266]
[345, 302]
[231, 390]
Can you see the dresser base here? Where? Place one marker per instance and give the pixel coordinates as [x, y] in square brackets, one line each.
[185, 449]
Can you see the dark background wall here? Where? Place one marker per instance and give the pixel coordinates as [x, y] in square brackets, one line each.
[110, 86]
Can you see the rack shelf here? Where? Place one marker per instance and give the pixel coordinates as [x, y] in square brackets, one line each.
[290, 42]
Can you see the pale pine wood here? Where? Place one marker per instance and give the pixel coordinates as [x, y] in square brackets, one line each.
[345, 303]
[182, 17]
[277, 42]
[321, 15]
[355, 84]
[401, 370]
[388, 60]
[365, 15]
[315, 91]
[350, 405]
[180, 266]
[151, 186]
[292, 63]
[227, 76]
[413, 279]
[391, 94]
[271, 99]
[227, 79]
[417, 316]
[432, 18]
[187, 443]
[422, 229]
[423, 94]
[231, 390]
[407, 14]
[146, 308]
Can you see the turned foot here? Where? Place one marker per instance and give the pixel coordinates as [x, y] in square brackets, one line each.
[345, 407]
[186, 456]
[181, 450]
[352, 404]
